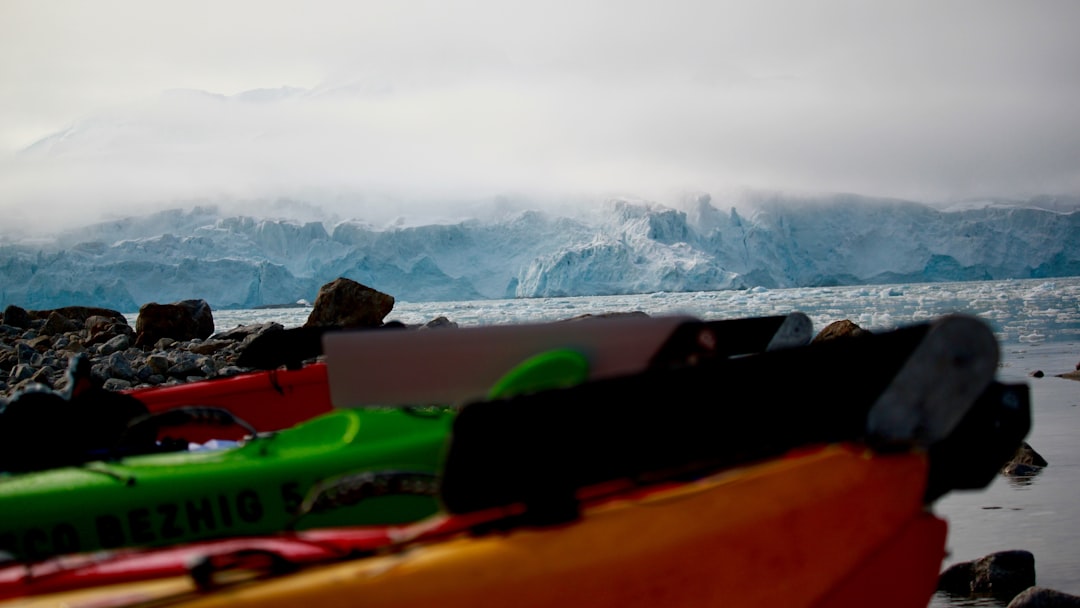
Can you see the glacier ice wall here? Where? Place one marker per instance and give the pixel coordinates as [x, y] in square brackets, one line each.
[626, 247]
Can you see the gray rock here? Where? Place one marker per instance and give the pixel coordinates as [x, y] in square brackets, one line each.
[20, 372]
[8, 358]
[120, 367]
[207, 367]
[40, 344]
[209, 347]
[121, 342]
[100, 329]
[246, 333]
[143, 374]
[116, 384]
[439, 323]
[1024, 463]
[44, 376]
[99, 370]
[184, 364]
[57, 323]
[98, 323]
[1002, 575]
[1041, 597]
[80, 314]
[158, 363]
[25, 353]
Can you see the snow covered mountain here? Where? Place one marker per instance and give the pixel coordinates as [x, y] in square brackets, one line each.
[628, 247]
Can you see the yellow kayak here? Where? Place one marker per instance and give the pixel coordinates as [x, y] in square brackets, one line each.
[801, 530]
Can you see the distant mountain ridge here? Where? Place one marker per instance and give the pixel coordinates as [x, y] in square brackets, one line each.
[777, 241]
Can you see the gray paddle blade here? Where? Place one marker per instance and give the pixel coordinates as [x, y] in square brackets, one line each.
[938, 384]
[796, 330]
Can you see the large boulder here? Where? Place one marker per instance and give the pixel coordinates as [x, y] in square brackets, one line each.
[17, 316]
[1041, 597]
[840, 329]
[1002, 575]
[346, 303]
[181, 321]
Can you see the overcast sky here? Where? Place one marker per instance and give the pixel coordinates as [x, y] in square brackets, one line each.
[405, 101]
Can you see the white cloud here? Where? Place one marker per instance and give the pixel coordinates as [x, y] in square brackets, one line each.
[434, 101]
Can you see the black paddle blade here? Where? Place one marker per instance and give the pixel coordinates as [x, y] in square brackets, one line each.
[539, 449]
[287, 347]
[986, 438]
[291, 347]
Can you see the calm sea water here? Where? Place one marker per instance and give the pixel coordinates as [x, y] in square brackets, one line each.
[1037, 323]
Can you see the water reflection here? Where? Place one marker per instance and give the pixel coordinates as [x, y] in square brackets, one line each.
[1024, 477]
[944, 598]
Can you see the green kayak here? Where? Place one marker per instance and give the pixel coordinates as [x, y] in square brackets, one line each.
[379, 466]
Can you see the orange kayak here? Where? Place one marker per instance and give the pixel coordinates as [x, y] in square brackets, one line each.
[818, 528]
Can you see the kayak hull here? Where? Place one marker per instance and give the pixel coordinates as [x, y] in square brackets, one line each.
[822, 528]
[783, 534]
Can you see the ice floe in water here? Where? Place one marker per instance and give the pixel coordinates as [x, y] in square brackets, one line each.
[1019, 311]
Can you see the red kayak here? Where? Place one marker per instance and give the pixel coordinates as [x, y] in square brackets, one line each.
[270, 554]
[267, 400]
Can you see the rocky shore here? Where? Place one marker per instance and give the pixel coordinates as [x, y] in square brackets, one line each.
[170, 343]
[36, 346]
